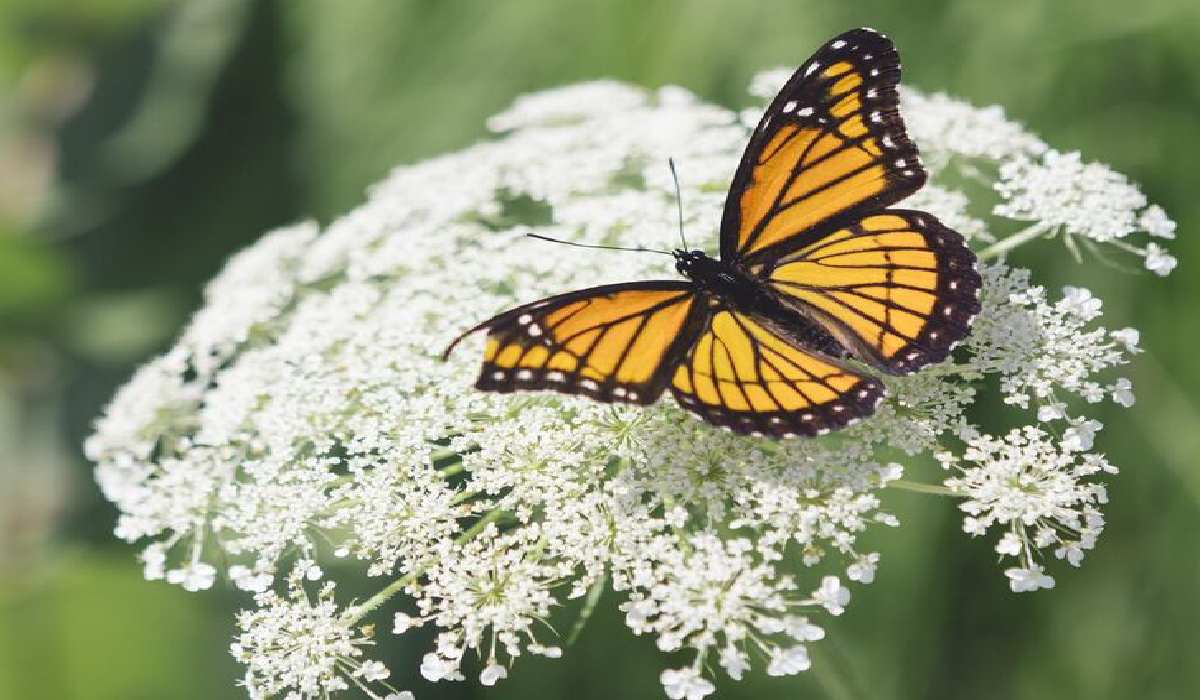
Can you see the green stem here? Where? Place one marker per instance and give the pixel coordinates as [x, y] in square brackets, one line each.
[948, 370]
[1128, 248]
[399, 584]
[451, 470]
[1002, 246]
[464, 496]
[918, 487]
[830, 679]
[589, 606]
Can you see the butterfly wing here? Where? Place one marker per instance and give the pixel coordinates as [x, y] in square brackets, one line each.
[612, 343]
[749, 374]
[897, 288]
[831, 145]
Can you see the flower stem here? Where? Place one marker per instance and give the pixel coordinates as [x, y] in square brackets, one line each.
[918, 487]
[999, 248]
[589, 606]
[451, 470]
[827, 676]
[399, 584]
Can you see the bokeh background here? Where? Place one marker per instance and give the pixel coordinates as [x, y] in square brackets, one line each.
[143, 141]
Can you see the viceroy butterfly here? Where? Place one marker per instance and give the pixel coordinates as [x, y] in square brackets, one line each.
[813, 269]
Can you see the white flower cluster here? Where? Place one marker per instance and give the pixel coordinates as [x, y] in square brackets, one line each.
[721, 595]
[1036, 488]
[305, 415]
[1041, 349]
[299, 647]
[1090, 201]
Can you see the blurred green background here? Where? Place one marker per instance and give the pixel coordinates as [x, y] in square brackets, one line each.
[143, 141]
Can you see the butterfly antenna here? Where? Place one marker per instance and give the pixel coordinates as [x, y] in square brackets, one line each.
[639, 249]
[678, 201]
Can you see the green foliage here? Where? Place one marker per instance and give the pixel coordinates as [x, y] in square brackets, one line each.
[309, 103]
[33, 277]
[87, 626]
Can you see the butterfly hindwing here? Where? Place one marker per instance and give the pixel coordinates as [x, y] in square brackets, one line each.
[748, 374]
[611, 343]
[831, 144]
[897, 287]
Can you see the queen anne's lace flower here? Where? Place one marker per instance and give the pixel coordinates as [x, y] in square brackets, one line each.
[1040, 348]
[304, 415]
[1087, 203]
[1060, 190]
[1158, 260]
[1040, 489]
[944, 127]
[686, 684]
[303, 646]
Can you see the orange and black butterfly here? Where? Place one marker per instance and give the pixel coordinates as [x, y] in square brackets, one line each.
[812, 270]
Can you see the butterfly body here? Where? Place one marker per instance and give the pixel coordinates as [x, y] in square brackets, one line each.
[723, 284]
[813, 270]
[721, 280]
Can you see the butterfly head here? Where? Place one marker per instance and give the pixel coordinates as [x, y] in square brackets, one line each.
[689, 261]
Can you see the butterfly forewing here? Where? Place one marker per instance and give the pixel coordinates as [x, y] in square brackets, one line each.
[897, 287]
[613, 343]
[831, 144]
[747, 374]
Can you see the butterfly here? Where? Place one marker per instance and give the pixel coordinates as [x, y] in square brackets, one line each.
[814, 271]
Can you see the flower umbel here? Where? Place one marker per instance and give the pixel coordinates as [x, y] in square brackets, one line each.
[306, 646]
[1036, 488]
[304, 416]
